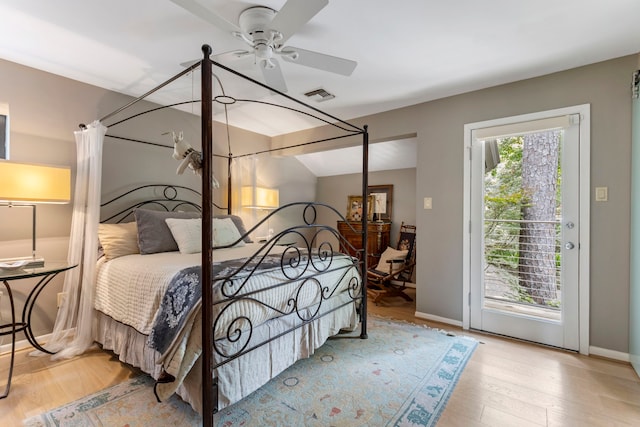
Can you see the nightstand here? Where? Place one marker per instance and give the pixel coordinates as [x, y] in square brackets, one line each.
[46, 274]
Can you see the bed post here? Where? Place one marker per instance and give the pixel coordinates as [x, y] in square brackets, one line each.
[229, 161]
[209, 394]
[365, 219]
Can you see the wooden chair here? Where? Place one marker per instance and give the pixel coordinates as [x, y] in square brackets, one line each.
[394, 266]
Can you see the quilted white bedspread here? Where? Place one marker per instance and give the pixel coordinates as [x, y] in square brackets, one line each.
[129, 289]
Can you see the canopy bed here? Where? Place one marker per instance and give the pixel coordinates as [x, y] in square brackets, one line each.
[268, 304]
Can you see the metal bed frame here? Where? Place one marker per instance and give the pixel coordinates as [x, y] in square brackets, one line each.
[312, 248]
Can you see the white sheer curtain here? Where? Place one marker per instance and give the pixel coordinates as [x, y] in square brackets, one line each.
[73, 330]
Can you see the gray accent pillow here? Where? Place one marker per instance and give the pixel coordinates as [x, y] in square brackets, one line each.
[154, 234]
[237, 221]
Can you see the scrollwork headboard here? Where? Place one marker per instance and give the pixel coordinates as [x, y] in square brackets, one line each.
[168, 197]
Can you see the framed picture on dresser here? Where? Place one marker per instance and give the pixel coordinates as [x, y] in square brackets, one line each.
[354, 208]
[383, 201]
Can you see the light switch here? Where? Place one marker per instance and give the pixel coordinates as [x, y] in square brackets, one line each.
[602, 194]
[427, 203]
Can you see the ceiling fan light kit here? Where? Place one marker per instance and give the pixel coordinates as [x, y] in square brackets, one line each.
[266, 30]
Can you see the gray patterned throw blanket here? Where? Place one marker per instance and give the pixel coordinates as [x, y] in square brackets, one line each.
[184, 293]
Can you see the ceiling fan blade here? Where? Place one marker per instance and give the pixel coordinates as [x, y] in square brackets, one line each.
[231, 55]
[195, 7]
[273, 75]
[294, 14]
[221, 57]
[318, 60]
[188, 64]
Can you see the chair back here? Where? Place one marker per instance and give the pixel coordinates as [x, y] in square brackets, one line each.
[407, 240]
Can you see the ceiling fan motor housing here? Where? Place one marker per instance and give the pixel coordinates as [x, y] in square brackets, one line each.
[266, 31]
[255, 22]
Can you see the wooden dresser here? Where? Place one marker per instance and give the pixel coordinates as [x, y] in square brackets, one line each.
[378, 238]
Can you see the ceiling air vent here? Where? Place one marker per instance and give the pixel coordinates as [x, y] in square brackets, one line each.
[320, 95]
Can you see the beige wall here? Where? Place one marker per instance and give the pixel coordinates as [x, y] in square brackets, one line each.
[46, 110]
[439, 125]
[334, 190]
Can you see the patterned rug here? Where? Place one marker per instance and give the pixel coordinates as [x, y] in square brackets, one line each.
[402, 375]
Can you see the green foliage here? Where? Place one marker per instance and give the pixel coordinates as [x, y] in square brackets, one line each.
[504, 200]
[504, 197]
[521, 294]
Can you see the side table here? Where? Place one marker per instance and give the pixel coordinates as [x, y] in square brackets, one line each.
[46, 274]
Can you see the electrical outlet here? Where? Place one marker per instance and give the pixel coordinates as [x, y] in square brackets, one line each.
[61, 297]
[428, 203]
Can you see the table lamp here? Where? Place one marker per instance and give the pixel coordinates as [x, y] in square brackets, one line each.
[379, 206]
[260, 198]
[25, 185]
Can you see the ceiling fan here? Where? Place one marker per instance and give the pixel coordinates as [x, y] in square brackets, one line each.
[265, 31]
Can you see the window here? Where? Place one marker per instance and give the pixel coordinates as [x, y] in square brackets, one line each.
[4, 131]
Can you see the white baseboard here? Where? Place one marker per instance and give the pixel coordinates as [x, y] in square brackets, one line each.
[593, 351]
[609, 354]
[22, 344]
[439, 319]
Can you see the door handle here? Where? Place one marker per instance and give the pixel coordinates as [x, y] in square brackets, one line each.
[569, 245]
[570, 225]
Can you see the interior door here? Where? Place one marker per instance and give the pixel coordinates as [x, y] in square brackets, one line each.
[525, 227]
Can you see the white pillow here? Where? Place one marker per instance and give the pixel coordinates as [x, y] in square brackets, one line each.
[225, 232]
[390, 254]
[187, 233]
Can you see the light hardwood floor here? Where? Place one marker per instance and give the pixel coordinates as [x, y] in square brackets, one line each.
[506, 383]
[517, 384]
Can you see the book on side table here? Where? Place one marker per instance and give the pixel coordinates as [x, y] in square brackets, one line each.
[24, 262]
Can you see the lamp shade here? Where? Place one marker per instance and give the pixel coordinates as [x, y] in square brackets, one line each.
[30, 183]
[260, 197]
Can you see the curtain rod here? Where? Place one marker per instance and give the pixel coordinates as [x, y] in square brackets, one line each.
[297, 145]
[155, 144]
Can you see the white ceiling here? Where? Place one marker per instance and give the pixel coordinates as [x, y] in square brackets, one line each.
[408, 51]
[390, 155]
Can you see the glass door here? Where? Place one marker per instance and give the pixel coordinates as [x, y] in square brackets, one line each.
[525, 229]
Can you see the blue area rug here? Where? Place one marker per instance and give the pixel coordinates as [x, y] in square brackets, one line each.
[402, 375]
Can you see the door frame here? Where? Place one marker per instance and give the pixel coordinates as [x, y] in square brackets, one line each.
[584, 206]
